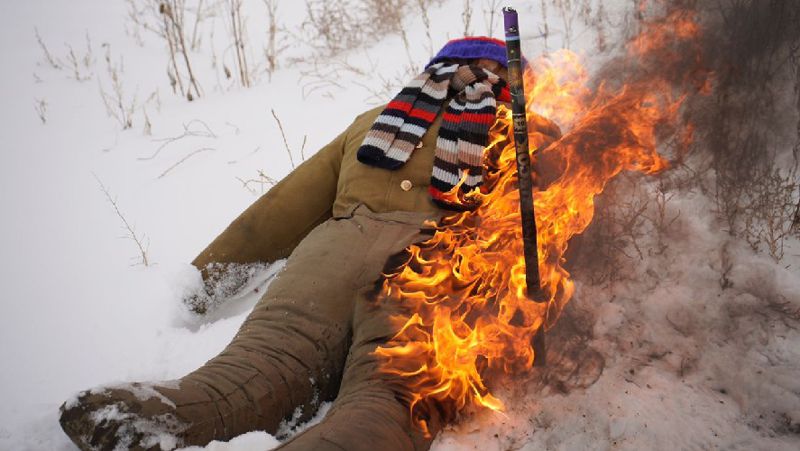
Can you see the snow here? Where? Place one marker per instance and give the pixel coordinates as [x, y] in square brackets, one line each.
[688, 364]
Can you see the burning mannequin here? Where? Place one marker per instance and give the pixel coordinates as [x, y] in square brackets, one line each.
[338, 218]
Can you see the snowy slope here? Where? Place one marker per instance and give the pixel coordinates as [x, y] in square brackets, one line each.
[688, 365]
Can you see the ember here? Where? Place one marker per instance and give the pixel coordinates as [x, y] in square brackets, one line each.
[464, 285]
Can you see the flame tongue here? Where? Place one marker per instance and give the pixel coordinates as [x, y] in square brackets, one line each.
[465, 284]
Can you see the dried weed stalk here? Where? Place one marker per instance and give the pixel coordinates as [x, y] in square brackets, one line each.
[490, 15]
[183, 159]
[275, 46]
[286, 142]
[263, 181]
[143, 259]
[238, 34]
[52, 61]
[466, 17]
[118, 105]
[40, 106]
[192, 129]
[167, 19]
[173, 13]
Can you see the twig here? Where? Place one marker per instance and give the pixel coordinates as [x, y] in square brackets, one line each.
[262, 180]
[285, 142]
[187, 132]
[131, 233]
[189, 155]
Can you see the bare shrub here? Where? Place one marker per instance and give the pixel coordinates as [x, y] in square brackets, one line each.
[335, 23]
[167, 19]
[750, 124]
[173, 13]
[746, 131]
[768, 211]
[80, 65]
[335, 26]
[77, 63]
[633, 219]
[615, 240]
[318, 76]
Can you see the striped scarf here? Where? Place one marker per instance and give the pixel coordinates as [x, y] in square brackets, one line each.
[463, 135]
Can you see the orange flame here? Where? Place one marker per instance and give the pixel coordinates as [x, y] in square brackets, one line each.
[465, 284]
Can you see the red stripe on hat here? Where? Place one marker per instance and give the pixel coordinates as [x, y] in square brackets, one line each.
[478, 38]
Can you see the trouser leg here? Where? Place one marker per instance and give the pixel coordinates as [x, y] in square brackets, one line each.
[288, 353]
[371, 410]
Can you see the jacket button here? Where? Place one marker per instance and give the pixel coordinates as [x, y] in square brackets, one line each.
[406, 185]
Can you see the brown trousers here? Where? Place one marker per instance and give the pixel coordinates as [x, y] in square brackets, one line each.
[308, 340]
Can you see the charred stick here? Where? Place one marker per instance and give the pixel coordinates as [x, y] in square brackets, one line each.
[520, 122]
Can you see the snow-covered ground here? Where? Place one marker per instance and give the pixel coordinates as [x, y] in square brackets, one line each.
[688, 364]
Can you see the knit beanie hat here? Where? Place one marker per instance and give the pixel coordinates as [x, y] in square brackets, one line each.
[474, 47]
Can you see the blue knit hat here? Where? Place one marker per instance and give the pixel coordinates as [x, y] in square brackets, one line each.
[473, 48]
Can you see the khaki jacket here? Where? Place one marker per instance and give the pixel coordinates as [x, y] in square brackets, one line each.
[331, 184]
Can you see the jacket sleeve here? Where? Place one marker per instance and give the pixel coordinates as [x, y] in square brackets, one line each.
[273, 226]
